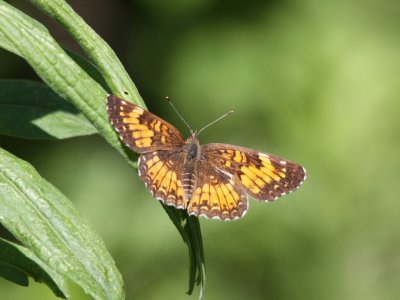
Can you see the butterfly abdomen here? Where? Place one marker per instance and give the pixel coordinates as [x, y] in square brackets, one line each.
[188, 183]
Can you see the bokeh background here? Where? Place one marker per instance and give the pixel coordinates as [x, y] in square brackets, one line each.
[317, 82]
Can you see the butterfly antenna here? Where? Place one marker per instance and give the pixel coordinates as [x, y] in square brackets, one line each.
[215, 121]
[180, 116]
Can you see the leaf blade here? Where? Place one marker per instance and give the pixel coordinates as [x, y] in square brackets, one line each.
[57, 69]
[95, 47]
[17, 263]
[32, 110]
[47, 223]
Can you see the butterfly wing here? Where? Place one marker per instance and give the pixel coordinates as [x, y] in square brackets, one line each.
[263, 176]
[216, 195]
[161, 172]
[141, 130]
[161, 147]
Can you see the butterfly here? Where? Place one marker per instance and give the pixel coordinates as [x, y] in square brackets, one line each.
[212, 180]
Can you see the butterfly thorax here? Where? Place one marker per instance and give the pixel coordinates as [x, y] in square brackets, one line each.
[192, 153]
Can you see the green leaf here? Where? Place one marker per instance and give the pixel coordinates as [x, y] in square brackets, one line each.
[88, 66]
[18, 262]
[52, 232]
[5, 43]
[96, 48]
[57, 69]
[32, 110]
[189, 228]
[11, 273]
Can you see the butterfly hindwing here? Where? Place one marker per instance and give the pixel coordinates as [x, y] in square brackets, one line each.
[263, 176]
[141, 130]
[216, 195]
[161, 172]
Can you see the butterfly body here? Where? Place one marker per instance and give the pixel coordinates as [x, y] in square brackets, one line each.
[192, 153]
[210, 180]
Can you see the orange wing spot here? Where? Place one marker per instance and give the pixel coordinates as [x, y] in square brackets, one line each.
[160, 175]
[283, 175]
[165, 185]
[268, 165]
[152, 161]
[221, 197]
[214, 195]
[233, 192]
[157, 126]
[164, 130]
[271, 174]
[228, 163]
[142, 134]
[143, 142]
[173, 182]
[261, 183]
[166, 182]
[163, 139]
[247, 182]
[254, 174]
[130, 120]
[180, 189]
[229, 198]
[259, 173]
[213, 191]
[138, 127]
[248, 173]
[237, 157]
[205, 198]
[155, 167]
[196, 196]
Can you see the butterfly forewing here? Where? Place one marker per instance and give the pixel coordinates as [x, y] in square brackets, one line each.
[263, 176]
[141, 130]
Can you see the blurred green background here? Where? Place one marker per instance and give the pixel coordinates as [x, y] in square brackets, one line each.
[317, 82]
